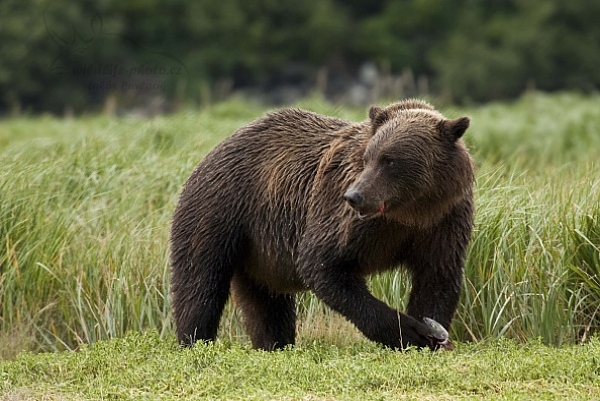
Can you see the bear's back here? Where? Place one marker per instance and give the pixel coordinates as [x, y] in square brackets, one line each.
[289, 129]
[266, 171]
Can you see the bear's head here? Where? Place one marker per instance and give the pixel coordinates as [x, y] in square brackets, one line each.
[415, 165]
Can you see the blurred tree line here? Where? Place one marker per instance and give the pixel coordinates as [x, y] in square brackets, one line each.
[59, 53]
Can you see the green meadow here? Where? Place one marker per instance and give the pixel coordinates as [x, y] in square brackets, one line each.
[146, 367]
[85, 208]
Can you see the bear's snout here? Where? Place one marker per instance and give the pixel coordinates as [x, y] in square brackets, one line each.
[365, 207]
[354, 198]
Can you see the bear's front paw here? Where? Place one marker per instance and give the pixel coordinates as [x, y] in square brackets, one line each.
[438, 336]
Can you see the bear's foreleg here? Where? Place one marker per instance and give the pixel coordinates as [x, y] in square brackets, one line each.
[435, 292]
[437, 263]
[347, 293]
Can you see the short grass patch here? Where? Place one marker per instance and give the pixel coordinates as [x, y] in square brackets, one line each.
[144, 366]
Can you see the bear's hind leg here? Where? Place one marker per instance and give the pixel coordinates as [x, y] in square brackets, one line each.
[198, 308]
[200, 288]
[269, 318]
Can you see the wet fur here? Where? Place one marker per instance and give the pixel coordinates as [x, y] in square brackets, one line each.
[262, 216]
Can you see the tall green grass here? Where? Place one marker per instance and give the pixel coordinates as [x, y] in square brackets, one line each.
[85, 208]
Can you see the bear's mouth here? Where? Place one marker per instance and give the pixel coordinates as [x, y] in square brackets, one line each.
[366, 213]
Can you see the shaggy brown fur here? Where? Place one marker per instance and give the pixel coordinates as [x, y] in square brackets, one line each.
[263, 216]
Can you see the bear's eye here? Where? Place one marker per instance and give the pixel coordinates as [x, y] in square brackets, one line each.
[387, 161]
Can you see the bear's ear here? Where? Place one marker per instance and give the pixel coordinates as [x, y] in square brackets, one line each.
[378, 116]
[375, 111]
[455, 128]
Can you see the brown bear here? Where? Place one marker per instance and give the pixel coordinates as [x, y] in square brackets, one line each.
[298, 201]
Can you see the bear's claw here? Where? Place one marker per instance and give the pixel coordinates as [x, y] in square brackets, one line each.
[438, 331]
[439, 335]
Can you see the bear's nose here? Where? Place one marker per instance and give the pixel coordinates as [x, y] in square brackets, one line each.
[354, 198]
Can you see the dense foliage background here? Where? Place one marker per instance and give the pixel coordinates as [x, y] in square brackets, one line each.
[61, 55]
